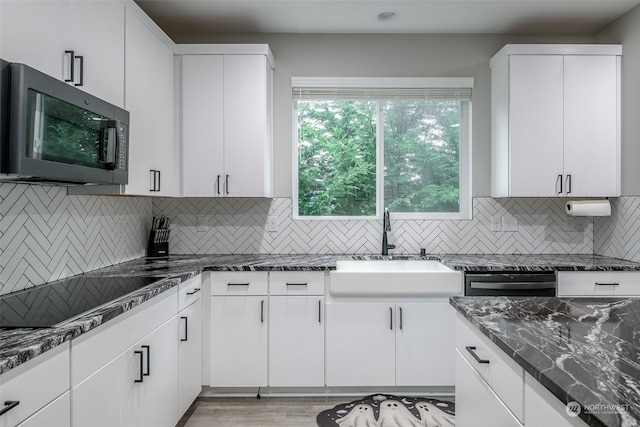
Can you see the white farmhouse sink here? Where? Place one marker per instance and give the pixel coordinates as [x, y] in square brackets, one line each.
[391, 278]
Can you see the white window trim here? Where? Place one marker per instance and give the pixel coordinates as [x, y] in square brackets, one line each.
[465, 212]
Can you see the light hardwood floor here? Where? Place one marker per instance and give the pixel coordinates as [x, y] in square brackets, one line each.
[252, 412]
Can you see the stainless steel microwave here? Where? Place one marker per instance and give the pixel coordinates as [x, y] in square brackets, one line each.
[59, 134]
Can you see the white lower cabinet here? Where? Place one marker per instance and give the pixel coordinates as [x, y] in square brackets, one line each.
[477, 405]
[599, 283]
[360, 344]
[543, 409]
[238, 329]
[390, 344]
[37, 399]
[138, 388]
[190, 346]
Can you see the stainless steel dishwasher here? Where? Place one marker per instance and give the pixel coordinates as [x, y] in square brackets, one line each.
[509, 283]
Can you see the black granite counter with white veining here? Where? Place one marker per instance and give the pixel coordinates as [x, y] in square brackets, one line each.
[19, 345]
[585, 350]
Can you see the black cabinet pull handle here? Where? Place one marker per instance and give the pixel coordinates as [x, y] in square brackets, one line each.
[320, 311]
[186, 329]
[195, 291]
[297, 284]
[608, 284]
[148, 348]
[262, 311]
[400, 309]
[471, 349]
[237, 284]
[9, 405]
[391, 318]
[218, 184]
[559, 180]
[159, 180]
[568, 184]
[81, 58]
[226, 184]
[152, 180]
[140, 379]
[71, 65]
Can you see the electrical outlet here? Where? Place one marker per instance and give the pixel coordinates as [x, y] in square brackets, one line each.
[509, 223]
[496, 223]
[121, 226]
[575, 223]
[202, 227]
[272, 225]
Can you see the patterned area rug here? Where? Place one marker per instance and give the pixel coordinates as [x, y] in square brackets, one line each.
[386, 410]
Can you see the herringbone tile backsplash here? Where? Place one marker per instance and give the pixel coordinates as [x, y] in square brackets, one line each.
[239, 226]
[46, 235]
[618, 236]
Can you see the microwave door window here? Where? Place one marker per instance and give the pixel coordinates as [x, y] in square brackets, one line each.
[64, 133]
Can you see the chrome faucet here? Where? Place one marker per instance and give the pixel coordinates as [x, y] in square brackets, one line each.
[386, 226]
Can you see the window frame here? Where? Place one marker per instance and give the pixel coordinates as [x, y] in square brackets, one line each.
[465, 152]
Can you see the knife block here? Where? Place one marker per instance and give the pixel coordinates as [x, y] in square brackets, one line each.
[155, 247]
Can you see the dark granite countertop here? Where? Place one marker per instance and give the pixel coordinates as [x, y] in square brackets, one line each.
[19, 345]
[581, 349]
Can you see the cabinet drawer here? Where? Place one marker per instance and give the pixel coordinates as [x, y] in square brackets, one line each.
[98, 347]
[189, 292]
[239, 283]
[502, 374]
[599, 283]
[35, 384]
[296, 283]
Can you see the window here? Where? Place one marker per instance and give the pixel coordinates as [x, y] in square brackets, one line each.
[365, 144]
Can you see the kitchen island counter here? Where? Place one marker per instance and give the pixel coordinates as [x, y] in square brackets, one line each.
[583, 350]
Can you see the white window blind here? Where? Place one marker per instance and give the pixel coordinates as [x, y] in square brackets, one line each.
[356, 88]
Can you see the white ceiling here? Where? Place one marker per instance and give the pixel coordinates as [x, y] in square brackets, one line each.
[360, 16]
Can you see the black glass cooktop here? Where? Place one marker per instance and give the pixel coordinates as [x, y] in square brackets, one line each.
[48, 305]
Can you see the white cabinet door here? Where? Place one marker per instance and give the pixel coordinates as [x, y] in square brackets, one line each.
[238, 341]
[247, 126]
[535, 124]
[360, 344]
[476, 404]
[296, 341]
[226, 126]
[202, 125]
[42, 49]
[591, 126]
[153, 153]
[189, 355]
[110, 396]
[98, 36]
[158, 393]
[425, 344]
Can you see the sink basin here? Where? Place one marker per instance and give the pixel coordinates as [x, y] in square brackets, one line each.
[394, 278]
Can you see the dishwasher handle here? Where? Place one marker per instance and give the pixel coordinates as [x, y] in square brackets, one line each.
[512, 286]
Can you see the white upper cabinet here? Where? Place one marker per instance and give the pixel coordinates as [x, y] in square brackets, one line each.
[555, 121]
[153, 149]
[226, 121]
[93, 30]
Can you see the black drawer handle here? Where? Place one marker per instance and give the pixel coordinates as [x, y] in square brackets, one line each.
[297, 284]
[186, 329]
[146, 374]
[262, 311]
[140, 379]
[195, 291]
[471, 349]
[9, 405]
[237, 284]
[607, 284]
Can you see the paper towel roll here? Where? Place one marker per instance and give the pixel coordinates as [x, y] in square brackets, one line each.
[588, 208]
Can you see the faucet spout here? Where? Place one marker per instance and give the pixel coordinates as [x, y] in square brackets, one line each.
[386, 226]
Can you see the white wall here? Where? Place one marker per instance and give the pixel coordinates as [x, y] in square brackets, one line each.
[348, 55]
[626, 31]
